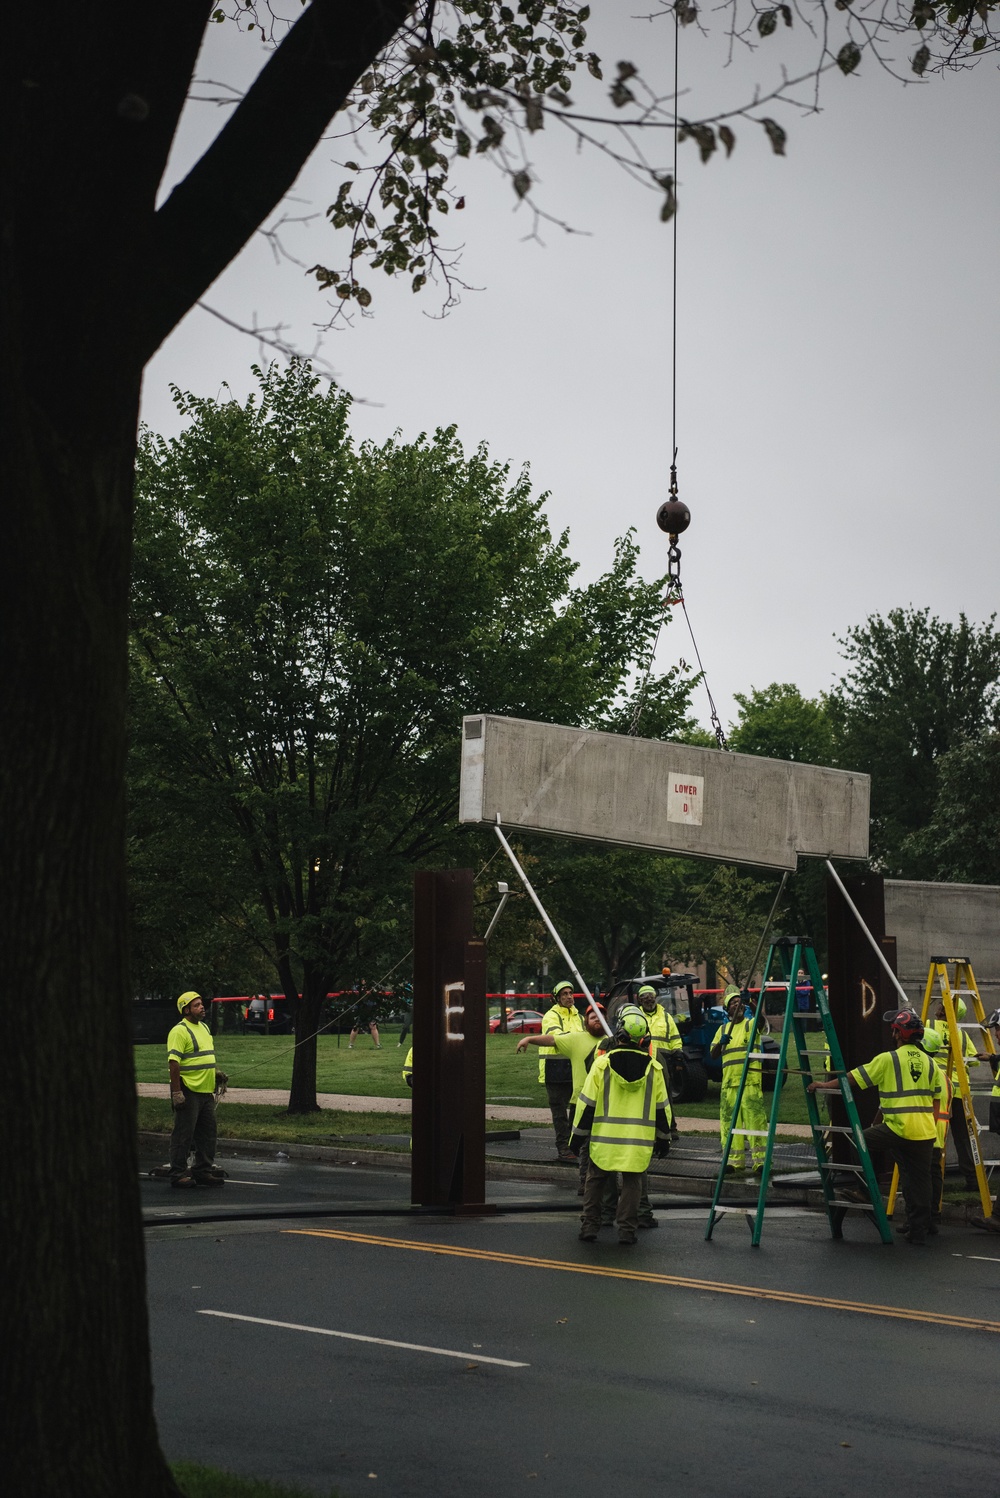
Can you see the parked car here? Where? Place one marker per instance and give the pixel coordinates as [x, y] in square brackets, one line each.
[520, 1022]
[269, 1014]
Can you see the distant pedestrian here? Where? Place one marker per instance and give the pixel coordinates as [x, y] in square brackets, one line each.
[556, 1072]
[622, 1115]
[578, 1046]
[992, 1059]
[910, 1086]
[933, 1043]
[194, 1079]
[732, 1043]
[970, 1056]
[360, 1024]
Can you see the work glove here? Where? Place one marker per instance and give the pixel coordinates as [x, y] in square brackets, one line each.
[177, 1099]
[221, 1083]
[661, 1149]
[576, 1143]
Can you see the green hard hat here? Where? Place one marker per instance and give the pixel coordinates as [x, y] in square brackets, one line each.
[933, 1041]
[633, 1024]
[559, 988]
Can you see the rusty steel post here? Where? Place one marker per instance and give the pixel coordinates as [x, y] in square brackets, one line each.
[449, 1045]
[859, 990]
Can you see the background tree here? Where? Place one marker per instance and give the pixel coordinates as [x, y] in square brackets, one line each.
[724, 924]
[916, 688]
[778, 722]
[961, 842]
[310, 622]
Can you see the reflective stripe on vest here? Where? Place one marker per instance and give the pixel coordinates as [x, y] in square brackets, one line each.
[733, 1054]
[918, 1099]
[200, 1060]
[610, 1128]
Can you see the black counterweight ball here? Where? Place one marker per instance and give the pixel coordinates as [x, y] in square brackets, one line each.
[673, 516]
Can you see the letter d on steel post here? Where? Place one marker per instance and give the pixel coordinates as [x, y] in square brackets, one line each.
[449, 1044]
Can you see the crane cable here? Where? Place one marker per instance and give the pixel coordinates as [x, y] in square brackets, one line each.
[674, 593]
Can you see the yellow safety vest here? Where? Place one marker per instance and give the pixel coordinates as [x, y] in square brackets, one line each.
[408, 1068]
[192, 1047]
[665, 1036]
[737, 1036]
[909, 1084]
[968, 1049]
[558, 1021]
[624, 1128]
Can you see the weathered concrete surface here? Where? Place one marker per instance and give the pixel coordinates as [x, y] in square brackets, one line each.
[644, 793]
[953, 920]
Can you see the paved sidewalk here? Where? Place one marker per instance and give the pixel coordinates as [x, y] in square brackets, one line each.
[348, 1103]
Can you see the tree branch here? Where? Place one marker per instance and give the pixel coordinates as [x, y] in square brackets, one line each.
[258, 154]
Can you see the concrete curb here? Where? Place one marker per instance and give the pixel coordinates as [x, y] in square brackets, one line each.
[496, 1170]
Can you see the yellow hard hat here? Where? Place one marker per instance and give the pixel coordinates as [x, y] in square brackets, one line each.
[186, 999]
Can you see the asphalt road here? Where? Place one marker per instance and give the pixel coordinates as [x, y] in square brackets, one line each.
[536, 1362]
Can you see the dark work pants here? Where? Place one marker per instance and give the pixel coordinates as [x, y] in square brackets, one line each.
[627, 1215]
[609, 1200]
[995, 1115]
[194, 1128]
[914, 1158]
[559, 1094]
[960, 1134]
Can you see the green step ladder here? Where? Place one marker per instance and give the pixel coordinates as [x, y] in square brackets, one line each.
[786, 956]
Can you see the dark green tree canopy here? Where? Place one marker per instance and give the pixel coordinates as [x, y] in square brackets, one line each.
[916, 688]
[311, 619]
[778, 722]
[961, 842]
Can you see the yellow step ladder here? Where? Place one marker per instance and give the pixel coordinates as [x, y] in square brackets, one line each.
[963, 986]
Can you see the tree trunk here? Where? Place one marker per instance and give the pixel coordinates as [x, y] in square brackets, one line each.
[302, 1098]
[76, 1337]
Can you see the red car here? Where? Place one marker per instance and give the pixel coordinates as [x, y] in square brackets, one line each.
[520, 1022]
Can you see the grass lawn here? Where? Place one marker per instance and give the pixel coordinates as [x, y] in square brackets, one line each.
[266, 1061]
[209, 1482]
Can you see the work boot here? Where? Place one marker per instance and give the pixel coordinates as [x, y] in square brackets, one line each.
[648, 1222]
[209, 1175]
[588, 1234]
[627, 1240]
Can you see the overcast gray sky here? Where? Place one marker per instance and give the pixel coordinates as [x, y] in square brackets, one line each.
[837, 361]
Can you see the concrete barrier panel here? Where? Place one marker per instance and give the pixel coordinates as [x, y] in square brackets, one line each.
[948, 920]
[644, 793]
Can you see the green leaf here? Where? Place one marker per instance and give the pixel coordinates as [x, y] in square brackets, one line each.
[920, 59]
[767, 22]
[522, 183]
[727, 138]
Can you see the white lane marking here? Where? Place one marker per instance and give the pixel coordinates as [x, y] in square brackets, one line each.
[323, 1331]
[271, 1185]
[979, 1258]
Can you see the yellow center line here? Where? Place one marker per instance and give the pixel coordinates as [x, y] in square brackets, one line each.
[646, 1277]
